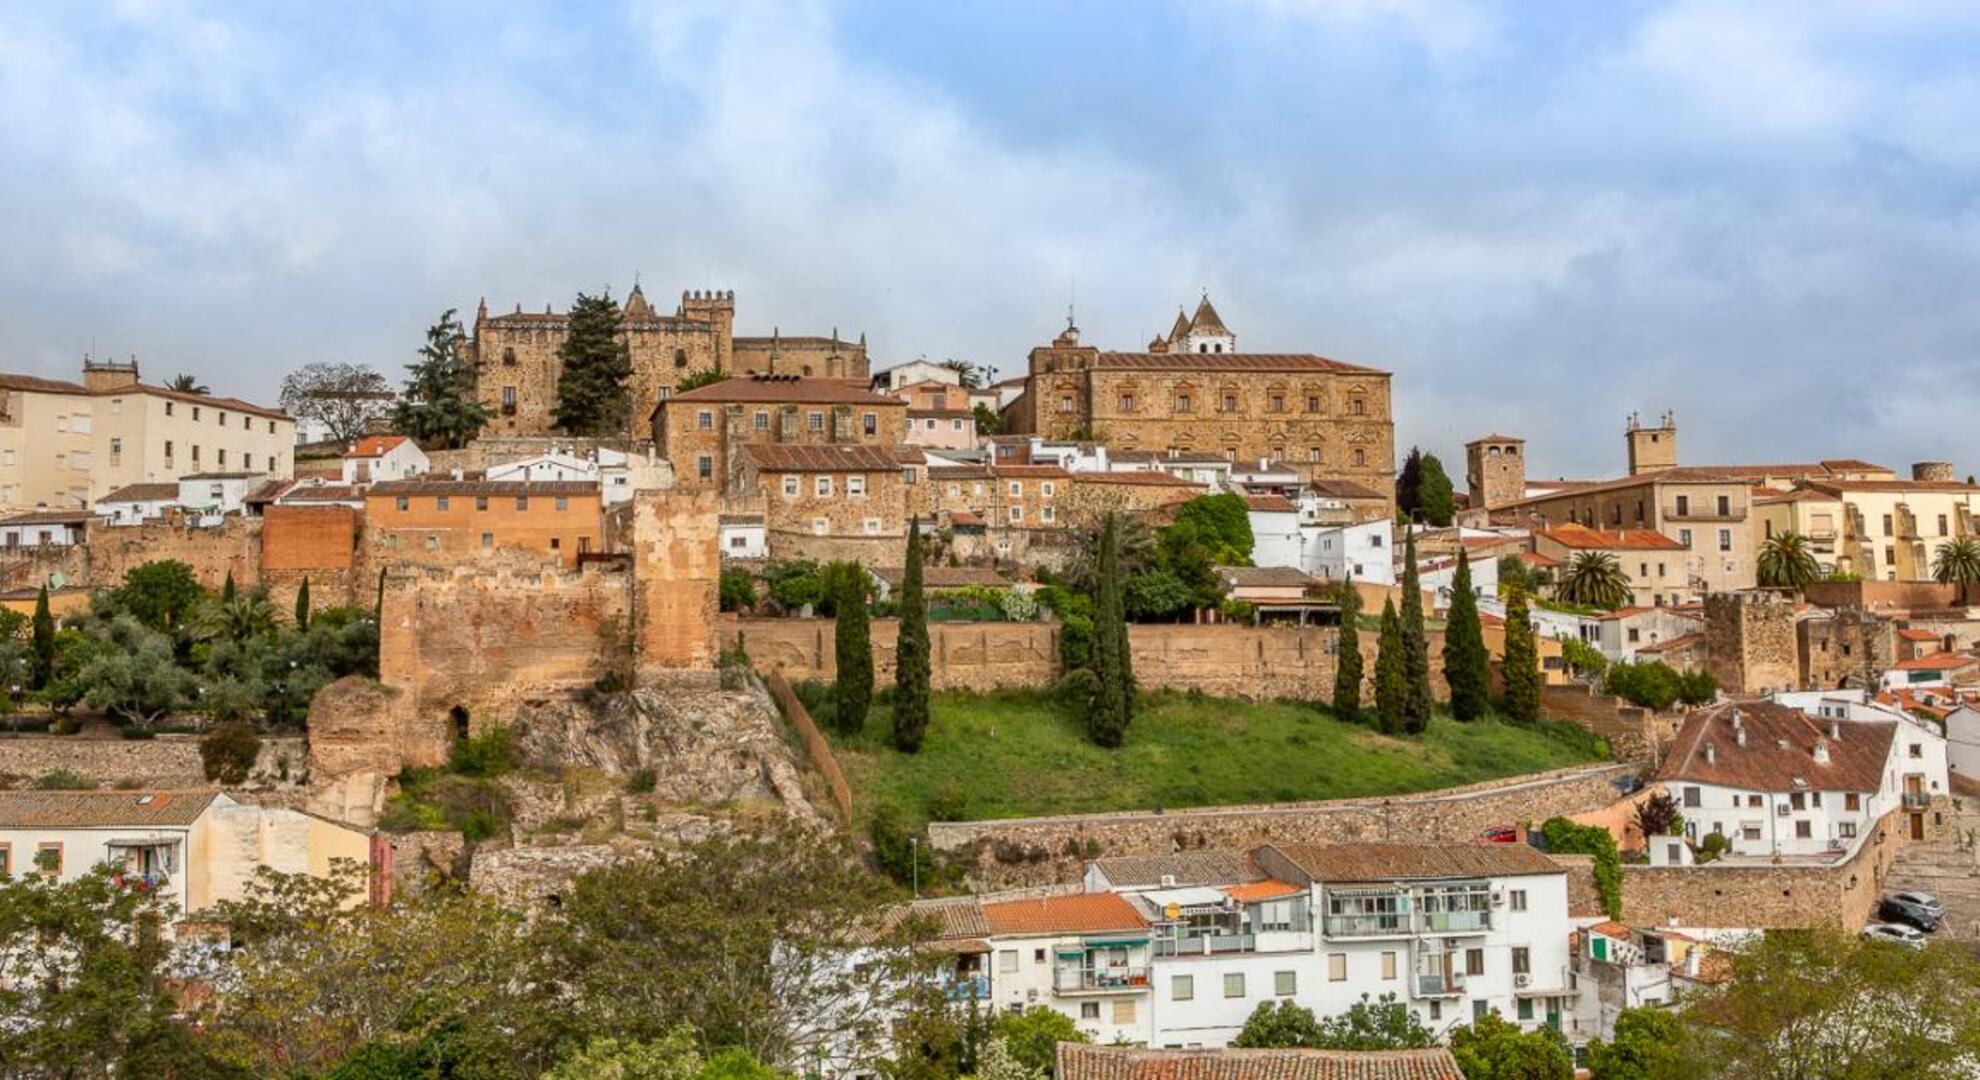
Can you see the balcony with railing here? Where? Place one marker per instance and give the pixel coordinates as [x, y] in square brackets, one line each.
[1086, 980]
[1385, 924]
[1207, 944]
[963, 988]
[1463, 908]
[1439, 984]
[1917, 800]
[1454, 922]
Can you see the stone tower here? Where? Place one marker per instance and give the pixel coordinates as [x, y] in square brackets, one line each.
[1750, 644]
[1651, 449]
[1495, 471]
[1933, 472]
[1206, 332]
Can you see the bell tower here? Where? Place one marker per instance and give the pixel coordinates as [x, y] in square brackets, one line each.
[1651, 449]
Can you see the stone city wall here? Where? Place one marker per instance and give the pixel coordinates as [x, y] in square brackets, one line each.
[1887, 597]
[1762, 895]
[1634, 734]
[168, 761]
[1032, 851]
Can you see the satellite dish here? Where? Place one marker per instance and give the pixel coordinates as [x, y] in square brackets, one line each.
[1173, 911]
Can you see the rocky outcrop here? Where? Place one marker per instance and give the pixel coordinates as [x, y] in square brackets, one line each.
[707, 747]
[357, 725]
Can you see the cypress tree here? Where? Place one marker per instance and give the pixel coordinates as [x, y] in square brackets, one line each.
[911, 654]
[43, 641]
[1465, 662]
[302, 605]
[1391, 681]
[438, 406]
[1347, 663]
[227, 589]
[1520, 669]
[1409, 483]
[1435, 499]
[597, 362]
[1415, 644]
[852, 691]
[1113, 698]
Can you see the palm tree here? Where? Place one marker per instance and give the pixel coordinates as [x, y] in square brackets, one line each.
[1594, 578]
[187, 384]
[247, 615]
[1787, 563]
[1958, 563]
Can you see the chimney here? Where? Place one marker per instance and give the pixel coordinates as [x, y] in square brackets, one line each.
[1711, 755]
[1821, 751]
[1835, 729]
[457, 474]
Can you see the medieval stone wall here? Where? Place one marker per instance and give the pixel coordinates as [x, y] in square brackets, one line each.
[1889, 597]
[1763, 895]
[1031, 851]
[1750, 642]
[677, 562]
[167, 761]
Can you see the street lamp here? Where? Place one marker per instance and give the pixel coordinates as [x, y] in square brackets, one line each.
[914, 864]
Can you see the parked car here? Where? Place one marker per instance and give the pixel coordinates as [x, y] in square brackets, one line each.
[1894, 933]
[1500, 834]
[1917, 909]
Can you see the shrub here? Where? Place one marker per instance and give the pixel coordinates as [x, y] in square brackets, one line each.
[947, 802]
[491, 753]
[897, 845]
[1656, 685]
[63, 780]
[227, 753]
[1565, 837]
[738, 590]
[1713, 846]
[642, 781]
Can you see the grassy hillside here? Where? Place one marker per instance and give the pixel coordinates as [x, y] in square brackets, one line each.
[1016, 755]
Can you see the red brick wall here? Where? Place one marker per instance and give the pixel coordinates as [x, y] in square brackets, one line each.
[308, 538]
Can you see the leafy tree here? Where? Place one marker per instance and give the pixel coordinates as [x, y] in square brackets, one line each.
[1787, 562]
[1281, 1025]
[1492, 1049]
[1958, 562]
[987, 420]
[1467, 667]
[1514, 574]
[43, 646]
[1519, 666]
[1822, 1003]
[187, 384]
[1435, 500]
[1581, 657]
[1594, 578]
[695, 380]
[795, 583]
[1659, 815]
[1384, 1024]
[131, 673]
[968, 376]
[911, 659]
[82, 983]
[1391, 675]
[438, 406]
[738, 590]
[1222, 521]
[996, 1062]
[1418, 701]
[344, 398]
[592, 398]
[1649, 1044]
[672, 1057]
[1565, 837]
[1653, 684]
[852, 690]
[237, 617]
[1112, 707]
[163, 594]
[227, 753]
[1347, 664]
[1033, 1036]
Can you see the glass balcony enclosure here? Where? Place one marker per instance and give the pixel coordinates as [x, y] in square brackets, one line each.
[1403, 911]
[1225, 926]
[1101, 965]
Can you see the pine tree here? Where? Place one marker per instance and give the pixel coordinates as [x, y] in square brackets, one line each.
[1435, 500]
[438, 407]
[227, 589]
[911, 653]
[1466, 667]
[852, 691]
[1520, 668]
[1391, 680]
[1113, 698]
[1347, 661]
[42, 648]
[302, 605]
[591, 393]
[1416, 644]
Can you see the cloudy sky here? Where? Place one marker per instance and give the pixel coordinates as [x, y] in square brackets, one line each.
[1539, 215]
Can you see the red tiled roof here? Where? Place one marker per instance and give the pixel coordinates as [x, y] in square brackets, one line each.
[1914, 634]
[1582, 538]
[101, 809]
[1080, 913]
[1211, 363]
[38, 385]
[1936, 662]
[1837, 487]
[835, 458]
[1534, 558]
[1680, 642]
[35, 384]
[1415, 862]
[1253, 891]
[142, 493]
[1083, 1061]
[791, 389]
[1269, 504]
[1613, 929]
[1146, 479]
[1856, 760]
[1344, 489]
[482, 487]
[375, 446]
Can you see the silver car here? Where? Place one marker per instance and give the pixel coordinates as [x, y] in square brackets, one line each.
[1895, 933]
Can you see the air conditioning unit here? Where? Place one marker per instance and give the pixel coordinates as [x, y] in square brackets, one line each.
[1781, 810]
[1031, 995]
[1498, 898]
[1522, 980]
[1168, 881]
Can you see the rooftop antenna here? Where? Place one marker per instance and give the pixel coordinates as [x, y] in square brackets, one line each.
[1072, 301]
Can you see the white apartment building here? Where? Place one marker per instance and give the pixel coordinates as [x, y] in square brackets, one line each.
[64, 445]
[607, 468]
[1277, 536]
[1362, 552]
[43, 528]
[1777, 781]
[211, 496]
[1085, 955]
[135, 504]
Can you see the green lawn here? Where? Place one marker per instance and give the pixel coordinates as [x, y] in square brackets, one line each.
[1016, 755]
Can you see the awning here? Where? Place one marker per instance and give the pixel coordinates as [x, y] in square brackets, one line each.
[1113, 942]
[140, 841]
[1196, 896]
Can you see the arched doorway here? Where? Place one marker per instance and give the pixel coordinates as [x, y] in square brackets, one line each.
[457, 718]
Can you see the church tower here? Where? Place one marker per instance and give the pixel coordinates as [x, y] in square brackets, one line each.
[1205, 332]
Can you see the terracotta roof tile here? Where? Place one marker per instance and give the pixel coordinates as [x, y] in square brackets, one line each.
[101, 809]
[38, 385]
[1145, 479]
[1212, 363]
[482, 487]
[1253, 891]
[788, 389]
[49, 517]
[1914, 634]
[1856, 760]
[1265, 577]
[142, 493]
[835, 458]
[1080, 913]
[1676, 644]
[1081, 1061]
[1416, 862]
[1344, 489]
[1582, 538]
[372, 446]
[1941, 661]
[1269, 504]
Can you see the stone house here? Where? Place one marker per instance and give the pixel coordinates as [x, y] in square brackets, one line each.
[1655, 564]
[195, 848]
[825, 502]
[1706, 515]
[939, 414]
[446, 522]
[1888, 530]
[1139, 493]
[516, 365]
[1193, 392]
[701, 431]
